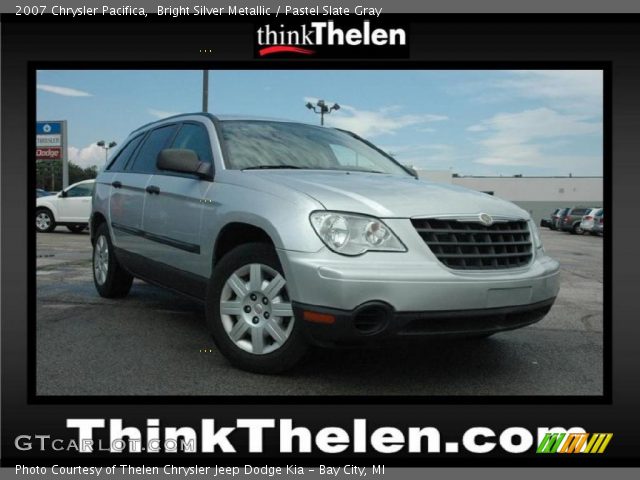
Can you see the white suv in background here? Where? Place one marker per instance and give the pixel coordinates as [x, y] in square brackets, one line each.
[71, 208]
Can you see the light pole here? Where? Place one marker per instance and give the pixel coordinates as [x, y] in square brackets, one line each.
[322, 108]
[106, 147]
[205, 90]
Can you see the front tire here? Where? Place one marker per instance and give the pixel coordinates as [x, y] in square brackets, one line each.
[45, 222]
[110, 279]
[249, 311]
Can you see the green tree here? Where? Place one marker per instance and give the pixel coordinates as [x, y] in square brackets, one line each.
[49, 174]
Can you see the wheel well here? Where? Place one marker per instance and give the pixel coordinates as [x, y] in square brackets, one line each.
[96, 220]
[235, 234]
[47, 209]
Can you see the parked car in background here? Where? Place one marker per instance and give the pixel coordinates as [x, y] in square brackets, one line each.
[590, 219]
[548, 222]
[571, 220]
[598, 223]
[42, 193]
[556, 218]
[277, 227]
[545, 222]
[71, 208]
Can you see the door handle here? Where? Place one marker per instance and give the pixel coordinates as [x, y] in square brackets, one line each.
[153, 189]
[116, 184]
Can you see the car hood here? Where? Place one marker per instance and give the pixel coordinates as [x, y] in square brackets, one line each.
[389, 196]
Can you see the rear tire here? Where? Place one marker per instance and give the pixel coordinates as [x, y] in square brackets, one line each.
[110, 279]
[249, 312]
[577, 230]
[45, 221]
[78, 228]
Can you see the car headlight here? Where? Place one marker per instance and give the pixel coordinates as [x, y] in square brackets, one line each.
[352, 234]
[535, 233]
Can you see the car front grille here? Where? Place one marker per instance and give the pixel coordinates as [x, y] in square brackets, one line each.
[466, 245]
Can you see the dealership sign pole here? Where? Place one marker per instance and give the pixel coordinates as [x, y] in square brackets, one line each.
[51, 145]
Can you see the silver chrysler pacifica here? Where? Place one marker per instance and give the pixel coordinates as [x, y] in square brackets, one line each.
[293, 234]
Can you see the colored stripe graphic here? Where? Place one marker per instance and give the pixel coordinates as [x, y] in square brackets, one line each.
[283, 49]
[550, 443]
[598, 442]
[574, 443]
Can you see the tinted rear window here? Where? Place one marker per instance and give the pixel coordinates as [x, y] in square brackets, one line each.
[580, 211]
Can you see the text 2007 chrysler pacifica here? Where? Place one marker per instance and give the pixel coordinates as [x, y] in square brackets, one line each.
[295, 234]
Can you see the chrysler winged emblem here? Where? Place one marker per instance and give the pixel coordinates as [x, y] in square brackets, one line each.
[485, 219]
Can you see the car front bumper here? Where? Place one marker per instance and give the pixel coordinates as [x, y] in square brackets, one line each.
[410, 285]
[415, 284]
[376, 321]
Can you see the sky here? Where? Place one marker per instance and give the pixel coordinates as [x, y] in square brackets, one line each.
[471, 122]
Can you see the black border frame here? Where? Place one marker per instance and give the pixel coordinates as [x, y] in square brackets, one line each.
[314, 64]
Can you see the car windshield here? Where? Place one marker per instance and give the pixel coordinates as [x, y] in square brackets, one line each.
[264, 145]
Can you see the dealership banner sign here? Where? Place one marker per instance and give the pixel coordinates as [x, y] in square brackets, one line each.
[50, 142]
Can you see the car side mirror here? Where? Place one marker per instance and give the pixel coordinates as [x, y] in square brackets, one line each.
[184, 161]
[63, 193]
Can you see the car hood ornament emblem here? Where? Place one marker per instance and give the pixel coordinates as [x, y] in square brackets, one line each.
[485, 219]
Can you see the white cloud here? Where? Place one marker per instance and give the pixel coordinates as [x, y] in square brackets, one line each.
[369, 123]
[570, 91]
[528, 138]
[539, 123]
[160, 113]
[571, 88]
[64, 91]
[87, 156]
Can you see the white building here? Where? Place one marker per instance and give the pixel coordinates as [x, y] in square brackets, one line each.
[538, 195]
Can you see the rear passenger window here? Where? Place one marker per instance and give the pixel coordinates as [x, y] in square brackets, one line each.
[194, 137]
[118, 163]
[157, 140]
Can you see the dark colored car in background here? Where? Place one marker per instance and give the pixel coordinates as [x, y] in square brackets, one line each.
[548, 222]
[42, 193]
[570, 221]
[556, 218]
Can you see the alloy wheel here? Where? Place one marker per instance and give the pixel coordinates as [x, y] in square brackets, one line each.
[101, 260]
[256, 310]
[43, 221]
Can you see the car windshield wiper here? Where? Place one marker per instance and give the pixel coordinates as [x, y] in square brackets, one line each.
[266, 167]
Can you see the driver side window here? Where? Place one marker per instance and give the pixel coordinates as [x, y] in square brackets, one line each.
[84, 190]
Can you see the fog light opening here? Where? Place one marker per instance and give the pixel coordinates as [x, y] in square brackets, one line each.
[371, 319]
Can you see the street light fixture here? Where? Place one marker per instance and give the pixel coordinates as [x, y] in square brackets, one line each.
[322, 108]
[106, 147]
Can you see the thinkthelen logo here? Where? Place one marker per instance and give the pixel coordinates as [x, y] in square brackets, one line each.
[328, 39]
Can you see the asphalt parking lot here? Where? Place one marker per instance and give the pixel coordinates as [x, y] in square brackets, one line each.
[155, 343]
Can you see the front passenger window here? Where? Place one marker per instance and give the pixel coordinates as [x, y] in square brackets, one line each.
[194, 137]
